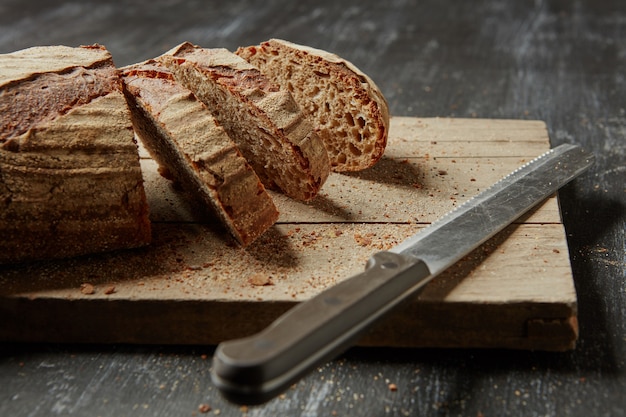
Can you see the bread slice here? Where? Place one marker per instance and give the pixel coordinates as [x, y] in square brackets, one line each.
[70, 179]
[348, 110]
[265, 122]
[182, 136]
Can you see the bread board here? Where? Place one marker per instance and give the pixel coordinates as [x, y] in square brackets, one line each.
[195, 285]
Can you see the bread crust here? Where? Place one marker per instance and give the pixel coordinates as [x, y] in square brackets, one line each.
[266, 123]
[70, 179]
[349, 111]
[42, 83]
[184, 138]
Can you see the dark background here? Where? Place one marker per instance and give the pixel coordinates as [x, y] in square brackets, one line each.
[563, 62]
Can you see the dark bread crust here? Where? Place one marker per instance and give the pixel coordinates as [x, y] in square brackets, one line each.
[183, 137]
[71, 181]
[50, 95]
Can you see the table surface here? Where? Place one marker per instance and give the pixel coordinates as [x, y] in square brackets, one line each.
[563, 62]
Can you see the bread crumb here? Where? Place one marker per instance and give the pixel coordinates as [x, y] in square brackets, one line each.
[363, 240]
[393, 387]
[259, 280]
[109, 290]
[87, 288]
[204, 408]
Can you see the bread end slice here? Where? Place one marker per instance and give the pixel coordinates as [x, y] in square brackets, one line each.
[348, 110]
[183, 137]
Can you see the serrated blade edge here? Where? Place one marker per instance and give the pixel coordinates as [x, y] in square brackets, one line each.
[465, 228]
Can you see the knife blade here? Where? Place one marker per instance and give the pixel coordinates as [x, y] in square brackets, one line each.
[255, 369]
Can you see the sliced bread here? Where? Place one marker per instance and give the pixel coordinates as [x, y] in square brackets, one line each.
[348, 110]
[184, 138]
[70, 179]
[265, 121]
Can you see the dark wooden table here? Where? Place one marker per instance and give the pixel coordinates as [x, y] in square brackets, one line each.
[560, 61]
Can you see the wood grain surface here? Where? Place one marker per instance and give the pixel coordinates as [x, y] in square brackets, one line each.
[557, 61]
[516, 291]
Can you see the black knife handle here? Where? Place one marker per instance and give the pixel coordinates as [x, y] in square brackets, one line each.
[257, 368]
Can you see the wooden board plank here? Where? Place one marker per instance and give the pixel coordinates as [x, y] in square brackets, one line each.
[194, 285]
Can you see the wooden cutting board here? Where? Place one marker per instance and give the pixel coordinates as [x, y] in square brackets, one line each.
[193, 285]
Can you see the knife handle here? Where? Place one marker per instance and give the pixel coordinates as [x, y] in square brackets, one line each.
[253, 370]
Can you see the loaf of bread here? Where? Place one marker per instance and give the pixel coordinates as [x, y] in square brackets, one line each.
[348, 110]
[70, 179]
[184, 138]
[265, 121]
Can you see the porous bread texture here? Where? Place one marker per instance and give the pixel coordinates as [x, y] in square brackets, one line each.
[183, 136]
[70, 179]
[265, 122]
[349, 111]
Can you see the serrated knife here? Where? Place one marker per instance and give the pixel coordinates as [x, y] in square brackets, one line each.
[255, 369]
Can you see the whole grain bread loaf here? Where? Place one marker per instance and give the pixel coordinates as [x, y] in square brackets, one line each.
[184, 138]
[265, 121]
[70, 179]
[348, 110]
